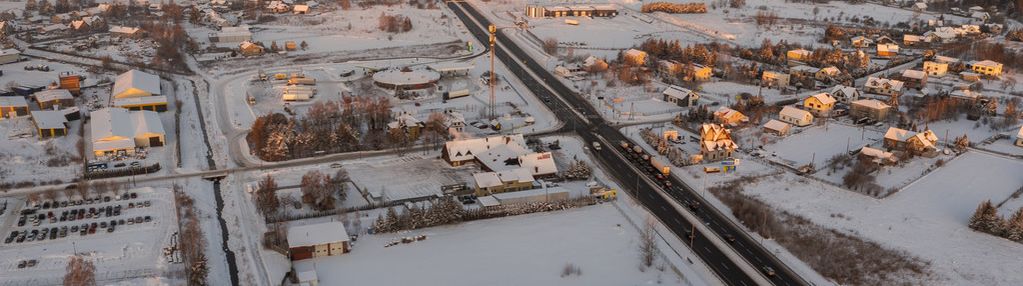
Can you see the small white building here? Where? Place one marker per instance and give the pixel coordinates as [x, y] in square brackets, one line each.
[845, 94]
[680, 96]
[777, 127]
[795, 116]
[317, 240]
[883, 86]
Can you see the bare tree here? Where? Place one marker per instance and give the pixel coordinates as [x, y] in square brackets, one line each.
[80, 272]
[266, 196]
[647, 245]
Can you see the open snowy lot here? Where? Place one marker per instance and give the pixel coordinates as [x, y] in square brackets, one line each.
[927, 219]
[30, 160]
[523, 250]
[818, 143]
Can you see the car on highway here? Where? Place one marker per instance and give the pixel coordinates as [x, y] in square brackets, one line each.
[769, 271]
[596, 146]
[729, 238]
[335, 165]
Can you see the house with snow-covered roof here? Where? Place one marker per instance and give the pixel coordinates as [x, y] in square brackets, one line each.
[798, 54]
[914, 78]
[137, 90]
[120, 131]
[987, 67]
[1019, 137]
[489, 183]
[869, 108]
[728, 116]
[634, 57]
[917, 143]
[845, 94]
[827, 73]
[680, 96]
[795, 116]
[126, 32]
[775, 79]
[318, 240]
[777, 127]
[934, 68]
[716, 142]
[883, 86]
[820, 104]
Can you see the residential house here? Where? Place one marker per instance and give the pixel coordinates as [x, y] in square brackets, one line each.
[71, 82]
[828, 73]
[634, 57]
[883, 86]
[911, 40]
[462, 151]
[301, 9]
[680, 96]
[884, 40]
[50, 123]
[120, 131]
[987, 67]
[13, 106]
[777, 127]
[887, 50]
[922, 143]
[845, 94]
[820, 104]
[970, 76]
[920, 6]
[914, 78]
[669, 67]
[934, 68]
[699, 72]
[594, 64]
[861, 42]
[803, 71]
[9, 56]
[716, 142]
[511, 180]
[277, 7]
[795, 116]
[126, 32]
[980, 16]
[455, 122]
[248, 48]
[874, 109]
[878, 156]
[730, 117]
[407, 124]
[318, 240]
[49, 99]
[775, 79]
[798, 55]
[965, 96]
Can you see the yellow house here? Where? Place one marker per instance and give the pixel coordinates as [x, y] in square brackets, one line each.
[935, 68]
[489, 183]
[135, 83]
[798, 54]
[634, 57]
[987, 67]
[819, 104]
[700, 72]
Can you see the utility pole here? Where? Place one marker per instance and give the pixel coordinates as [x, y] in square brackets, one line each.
[493, 40]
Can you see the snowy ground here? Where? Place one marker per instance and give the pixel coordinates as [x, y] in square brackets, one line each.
[596, 239]
[820, 143]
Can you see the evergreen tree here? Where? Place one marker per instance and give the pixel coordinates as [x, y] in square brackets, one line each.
[977, 220]
[1014, 227]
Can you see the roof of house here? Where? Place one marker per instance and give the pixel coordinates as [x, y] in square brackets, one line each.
[530, 193]
[945, 59]
[793, 112]
[777, 125]
[119, 122]
[136, 101]
[965, 93]
[914, 74]
[876, 153]
[137, 79]
[16, 101]
[468, 149]
[871, 103]
[888, 48]
[301, 8]
[730, 114]
[1020, 133]
[898, 134]
[805, 68]
[677, 92]
[831, 70]
[487, 179]
[124, 30]
[316, 234]
[539, 163]
[879, 82]
[800, 51]
[49, 119]
[715, 137]
[52, 94]
[844, 91]
[987, 63]
[823, 98]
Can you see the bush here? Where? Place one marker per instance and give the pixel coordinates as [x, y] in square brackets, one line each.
[675, 8]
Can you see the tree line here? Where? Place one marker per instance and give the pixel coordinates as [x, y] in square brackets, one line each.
[986, 219]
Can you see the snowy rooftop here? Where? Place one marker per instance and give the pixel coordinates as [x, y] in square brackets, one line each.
[145, 100]
[530, 193]
[677, 92]
[871, 103]
[123, 29]
[49, 119]
[137, 79]
[452, 66]
[987, 63]
[793, 112]
[776, 125]
[52, 94]
[5, 52]
[914, 74]
[824, 98]
[316, 234]
[466, 149]
[898, 134]
[118, 122]
[881, 82]
[411, 77]
[539, 163]
[16, 101]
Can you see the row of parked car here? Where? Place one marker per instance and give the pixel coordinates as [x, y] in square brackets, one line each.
[35, 215]
[62, 232]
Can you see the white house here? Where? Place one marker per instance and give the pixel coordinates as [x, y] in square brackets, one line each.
[777, 127]
[845, 94]
[883, 86]
[680, 96]
[795, 116]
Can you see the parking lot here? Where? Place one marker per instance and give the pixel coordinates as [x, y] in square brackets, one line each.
[121, 234]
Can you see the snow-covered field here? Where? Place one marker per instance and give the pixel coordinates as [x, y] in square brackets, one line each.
[819, 143]
[523, 250]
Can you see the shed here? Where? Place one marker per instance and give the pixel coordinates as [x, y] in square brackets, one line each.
[50, 123]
